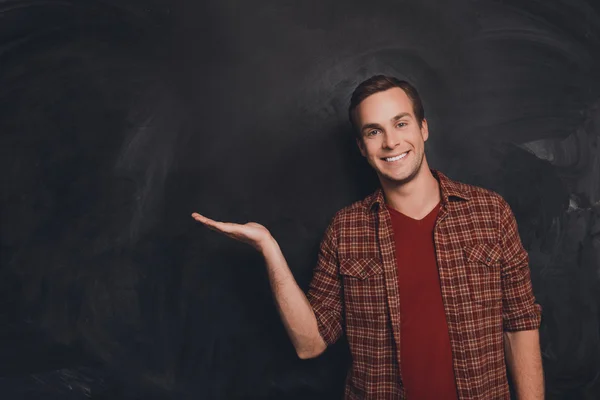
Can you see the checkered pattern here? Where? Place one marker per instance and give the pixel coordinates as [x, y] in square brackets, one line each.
[485, 284]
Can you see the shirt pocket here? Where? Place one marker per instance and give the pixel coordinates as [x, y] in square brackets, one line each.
[364, 289]
[483, 265]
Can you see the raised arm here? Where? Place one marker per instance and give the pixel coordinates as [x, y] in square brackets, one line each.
[294, 308]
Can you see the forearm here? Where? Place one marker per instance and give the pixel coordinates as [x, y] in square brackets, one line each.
[293, 306]
[524, 361]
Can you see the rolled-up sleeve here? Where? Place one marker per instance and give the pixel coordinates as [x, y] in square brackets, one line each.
[325, 289]
[519, 308]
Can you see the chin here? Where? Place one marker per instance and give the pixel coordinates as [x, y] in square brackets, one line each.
[399, 178]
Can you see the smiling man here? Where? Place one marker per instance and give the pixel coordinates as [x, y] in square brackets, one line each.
[427, 277]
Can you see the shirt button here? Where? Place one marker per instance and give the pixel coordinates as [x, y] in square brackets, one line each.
[488, 259]
[362, 273]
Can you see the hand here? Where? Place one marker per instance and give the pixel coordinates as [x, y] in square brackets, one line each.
[251, 232]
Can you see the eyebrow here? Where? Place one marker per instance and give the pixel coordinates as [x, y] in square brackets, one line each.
[400, 116]
[394, 119]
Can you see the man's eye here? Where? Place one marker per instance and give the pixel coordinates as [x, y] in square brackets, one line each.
[373, 132]
[401, 124]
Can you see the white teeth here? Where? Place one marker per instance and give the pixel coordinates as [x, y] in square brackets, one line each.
[391, 159]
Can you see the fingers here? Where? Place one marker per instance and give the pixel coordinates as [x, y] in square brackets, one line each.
[199, 217]
[214, 225]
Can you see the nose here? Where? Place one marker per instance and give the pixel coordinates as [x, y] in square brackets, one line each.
[390, 140]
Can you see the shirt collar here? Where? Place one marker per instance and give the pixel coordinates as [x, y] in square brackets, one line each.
[448, 188]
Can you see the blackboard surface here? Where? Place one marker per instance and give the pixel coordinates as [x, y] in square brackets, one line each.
[118, 119]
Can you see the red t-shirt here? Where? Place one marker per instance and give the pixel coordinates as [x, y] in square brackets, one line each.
[425, 351]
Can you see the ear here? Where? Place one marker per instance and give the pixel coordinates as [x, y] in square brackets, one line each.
[424, 130]
[361, 147]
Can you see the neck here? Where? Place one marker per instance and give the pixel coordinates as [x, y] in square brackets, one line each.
[415, 197]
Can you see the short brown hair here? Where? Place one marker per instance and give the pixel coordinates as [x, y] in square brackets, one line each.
[380, 83]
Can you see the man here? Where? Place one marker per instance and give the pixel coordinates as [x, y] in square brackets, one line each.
[427, 277]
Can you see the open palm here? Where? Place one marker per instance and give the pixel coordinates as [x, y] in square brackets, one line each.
[251, 232]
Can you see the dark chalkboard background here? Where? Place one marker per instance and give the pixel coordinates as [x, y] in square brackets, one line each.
[118, 119]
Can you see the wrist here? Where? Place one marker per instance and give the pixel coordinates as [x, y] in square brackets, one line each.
[267, 244]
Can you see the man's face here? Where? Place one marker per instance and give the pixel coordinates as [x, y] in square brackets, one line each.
[391, 139]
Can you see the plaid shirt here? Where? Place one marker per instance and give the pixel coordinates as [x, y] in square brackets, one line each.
[485, 284]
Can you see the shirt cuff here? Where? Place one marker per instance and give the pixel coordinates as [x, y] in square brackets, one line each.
[530, 321]
[328, 323]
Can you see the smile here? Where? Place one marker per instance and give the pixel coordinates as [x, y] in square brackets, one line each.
[396, 158]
